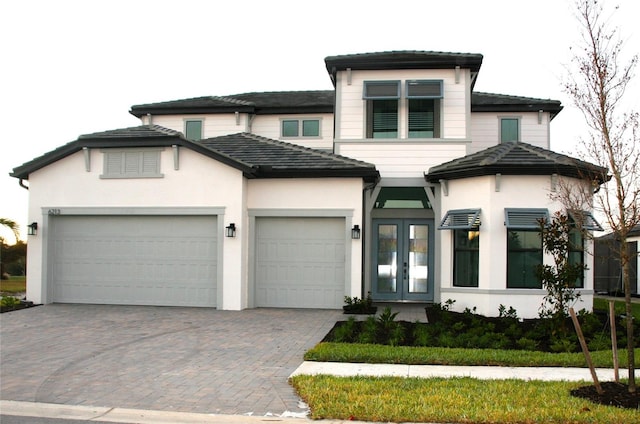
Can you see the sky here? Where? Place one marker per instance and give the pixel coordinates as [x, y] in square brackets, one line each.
[72, 67]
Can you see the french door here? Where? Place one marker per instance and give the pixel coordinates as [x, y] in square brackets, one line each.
[402, 260]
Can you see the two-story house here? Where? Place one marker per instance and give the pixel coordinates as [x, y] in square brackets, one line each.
[402, 181]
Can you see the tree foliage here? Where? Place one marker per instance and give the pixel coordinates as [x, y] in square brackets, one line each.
[598, 78]
[559, 279]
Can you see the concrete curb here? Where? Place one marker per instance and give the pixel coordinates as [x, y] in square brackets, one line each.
[427, 371]
[138, 416]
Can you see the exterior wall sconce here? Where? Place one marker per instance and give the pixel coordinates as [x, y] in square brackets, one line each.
[355, 232]
[231, 230]
[32, 229]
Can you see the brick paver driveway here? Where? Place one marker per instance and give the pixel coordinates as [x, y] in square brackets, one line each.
[178, 359]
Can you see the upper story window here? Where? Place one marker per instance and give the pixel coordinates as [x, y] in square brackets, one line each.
[423, 101]
[132, 163]
[382, 108]
[193, 129]
[300, 127]
[509, 129]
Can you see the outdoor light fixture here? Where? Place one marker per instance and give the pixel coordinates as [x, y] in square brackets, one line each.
[32, 229]
[355, 232]
[231, 230]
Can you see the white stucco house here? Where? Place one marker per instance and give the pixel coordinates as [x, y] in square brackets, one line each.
[402, 181]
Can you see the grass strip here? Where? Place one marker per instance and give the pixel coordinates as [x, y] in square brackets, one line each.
[15, 284]
[603, 305]
[460, 400]
[382, 354]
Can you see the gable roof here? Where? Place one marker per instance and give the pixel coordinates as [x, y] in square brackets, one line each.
[272, 159]
[516, 158]
[256, 157]
[274, 102]
[490, 102]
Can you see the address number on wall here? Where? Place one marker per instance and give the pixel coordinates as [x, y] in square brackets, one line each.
[54, 212]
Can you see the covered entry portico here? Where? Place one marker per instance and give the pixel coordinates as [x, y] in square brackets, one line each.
[400, 243]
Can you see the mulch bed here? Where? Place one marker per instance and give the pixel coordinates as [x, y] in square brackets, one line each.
[23, 305]
[615, 394]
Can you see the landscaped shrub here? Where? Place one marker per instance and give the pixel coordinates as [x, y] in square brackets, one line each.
[470, 330]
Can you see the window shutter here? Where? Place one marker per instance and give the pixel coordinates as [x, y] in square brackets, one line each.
[381, 90]
[424, 89]
[525, 218]
[586, 220]
[461, 219]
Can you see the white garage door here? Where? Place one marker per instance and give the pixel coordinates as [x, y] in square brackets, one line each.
[134, 260]
[300, 262]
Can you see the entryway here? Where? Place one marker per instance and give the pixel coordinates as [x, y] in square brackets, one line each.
[402, 258]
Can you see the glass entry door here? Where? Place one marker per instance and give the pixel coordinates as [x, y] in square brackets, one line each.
[402, 260]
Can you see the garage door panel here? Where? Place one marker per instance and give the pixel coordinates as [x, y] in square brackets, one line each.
[300, 262]
[141, 260]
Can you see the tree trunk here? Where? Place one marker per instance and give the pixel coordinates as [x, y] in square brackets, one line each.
[626, 279]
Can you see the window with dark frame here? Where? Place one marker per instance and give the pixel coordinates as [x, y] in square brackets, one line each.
[524, 246]
[381, 108]
[423, 101]
[466, 258]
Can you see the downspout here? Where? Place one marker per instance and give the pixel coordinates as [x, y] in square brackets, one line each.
[21, 182]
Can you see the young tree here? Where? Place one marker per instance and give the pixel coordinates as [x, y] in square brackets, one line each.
[559, 279]
[597, 82]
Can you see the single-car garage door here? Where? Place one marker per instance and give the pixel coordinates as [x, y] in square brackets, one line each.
[300, 262]
[134, 260]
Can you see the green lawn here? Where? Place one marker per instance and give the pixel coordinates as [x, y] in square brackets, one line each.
[15, 284]
[383, 354]
[603, 305]
[460, 400]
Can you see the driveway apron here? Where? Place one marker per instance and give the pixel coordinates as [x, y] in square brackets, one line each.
[161, 358]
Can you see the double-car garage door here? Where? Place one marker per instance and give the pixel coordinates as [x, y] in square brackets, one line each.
[134, 260]
[300, 262]
[172, 260]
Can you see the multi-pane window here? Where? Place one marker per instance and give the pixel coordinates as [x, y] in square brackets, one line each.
[524, 247]
[509, 129]
[423, 100]
[382, 108]
[466, 258]
[296, 127]
[193, 129]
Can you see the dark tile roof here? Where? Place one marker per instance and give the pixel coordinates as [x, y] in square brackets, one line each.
[313, 101]
[321, 101]
[256, 157]
[516, 158]
[403, 59]
[490, 102]
[273, 158]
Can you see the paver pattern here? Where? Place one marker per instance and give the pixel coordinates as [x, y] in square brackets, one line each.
[158, 358]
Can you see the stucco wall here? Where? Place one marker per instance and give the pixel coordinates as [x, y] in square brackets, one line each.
[200, 182]
[514, 192]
